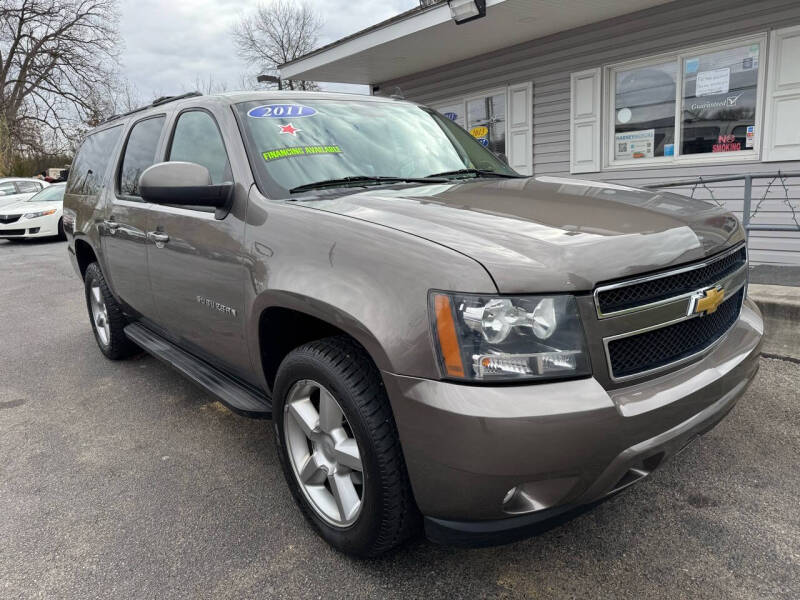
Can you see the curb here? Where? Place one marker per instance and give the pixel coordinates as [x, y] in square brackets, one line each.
[780, 306]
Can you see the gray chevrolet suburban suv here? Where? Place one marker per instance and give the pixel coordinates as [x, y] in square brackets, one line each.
[440, 342]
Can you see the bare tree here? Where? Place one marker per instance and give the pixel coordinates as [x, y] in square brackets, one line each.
[57, 61]
[126, 96]
[207, 85]
[276, 33]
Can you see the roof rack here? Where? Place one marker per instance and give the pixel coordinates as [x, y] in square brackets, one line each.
[157, 102]
[166, 99]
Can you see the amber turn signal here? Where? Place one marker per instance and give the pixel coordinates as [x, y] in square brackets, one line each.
[448, 340]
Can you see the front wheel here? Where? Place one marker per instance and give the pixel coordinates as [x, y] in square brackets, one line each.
[339, 448]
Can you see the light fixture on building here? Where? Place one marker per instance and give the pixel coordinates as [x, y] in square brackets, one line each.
[464, 11]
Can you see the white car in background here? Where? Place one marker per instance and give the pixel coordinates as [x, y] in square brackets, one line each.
[15, 189]
[38, 216]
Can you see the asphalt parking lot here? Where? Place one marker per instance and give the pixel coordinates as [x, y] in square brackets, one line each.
[125, 480]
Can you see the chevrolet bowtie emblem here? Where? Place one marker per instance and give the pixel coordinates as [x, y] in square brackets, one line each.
[706, 301]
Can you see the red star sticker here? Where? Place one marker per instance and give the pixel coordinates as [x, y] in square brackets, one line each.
[289, 129]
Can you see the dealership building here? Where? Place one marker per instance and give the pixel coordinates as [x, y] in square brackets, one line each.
[636, 92]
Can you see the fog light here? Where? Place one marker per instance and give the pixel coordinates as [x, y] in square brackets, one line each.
[509, 495]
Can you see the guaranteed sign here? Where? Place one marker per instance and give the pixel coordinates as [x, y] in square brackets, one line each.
[279, 153]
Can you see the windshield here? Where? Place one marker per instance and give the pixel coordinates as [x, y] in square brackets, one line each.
[294, 144]
[50, 193]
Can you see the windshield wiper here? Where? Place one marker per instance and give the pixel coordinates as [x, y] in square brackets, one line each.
[476, 172]
[377, 179]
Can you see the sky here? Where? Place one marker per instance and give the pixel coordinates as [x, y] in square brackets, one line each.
[170, 45]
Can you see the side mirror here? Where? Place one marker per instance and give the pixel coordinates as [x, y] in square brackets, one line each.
[182, 183]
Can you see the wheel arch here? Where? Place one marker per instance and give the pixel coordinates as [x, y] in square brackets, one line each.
[84, 254]
[285, 321]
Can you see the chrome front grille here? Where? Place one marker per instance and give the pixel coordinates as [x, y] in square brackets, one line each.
[9, 218]
[657, 322]
[662, 346]
[625, 296]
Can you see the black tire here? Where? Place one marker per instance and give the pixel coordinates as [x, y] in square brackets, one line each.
[389, 515]
[61, 235]
[118, 346]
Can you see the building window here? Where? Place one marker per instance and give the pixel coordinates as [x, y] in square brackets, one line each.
[695, 106]
[644, 111]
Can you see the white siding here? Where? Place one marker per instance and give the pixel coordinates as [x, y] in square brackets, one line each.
[548, 63]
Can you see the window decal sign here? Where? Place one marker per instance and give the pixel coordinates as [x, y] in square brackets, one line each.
[479, 132]
[710, 83]
[484, 142]
[729, 101]
[635, 144]
[726, 143]
[751, 136]
[279, 153]
[751, 62]
[281, 111]
[451, 115]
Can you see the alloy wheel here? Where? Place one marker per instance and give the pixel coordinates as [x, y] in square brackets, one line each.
[100, 315]
[324, 454]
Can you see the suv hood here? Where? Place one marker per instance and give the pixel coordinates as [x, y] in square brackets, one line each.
[547, 234]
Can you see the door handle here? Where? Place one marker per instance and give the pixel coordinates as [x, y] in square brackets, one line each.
[158, 238]
[112, 226]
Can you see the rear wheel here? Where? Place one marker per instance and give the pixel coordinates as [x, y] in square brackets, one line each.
[106, 316]
[339, 448]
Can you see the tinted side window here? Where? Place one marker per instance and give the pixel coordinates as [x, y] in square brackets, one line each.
[86, 175]
[197, 139]
[140, 153]
[26, 187]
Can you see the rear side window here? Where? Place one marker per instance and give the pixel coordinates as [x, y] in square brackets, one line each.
[89, 167]
[7, 188]
[26, 187]
[140, 153]
[197, 139]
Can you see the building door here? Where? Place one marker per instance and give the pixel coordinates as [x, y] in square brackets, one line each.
[501, 119]
[486, 121]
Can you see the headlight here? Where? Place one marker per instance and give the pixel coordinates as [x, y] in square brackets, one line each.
[528, 337]
[42, 213]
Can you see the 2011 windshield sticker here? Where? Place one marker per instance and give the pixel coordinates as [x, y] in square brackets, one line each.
[279, 153]
[281, 111]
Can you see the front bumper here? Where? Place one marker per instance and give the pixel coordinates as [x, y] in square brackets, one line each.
[29, 228]
[562, 445]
